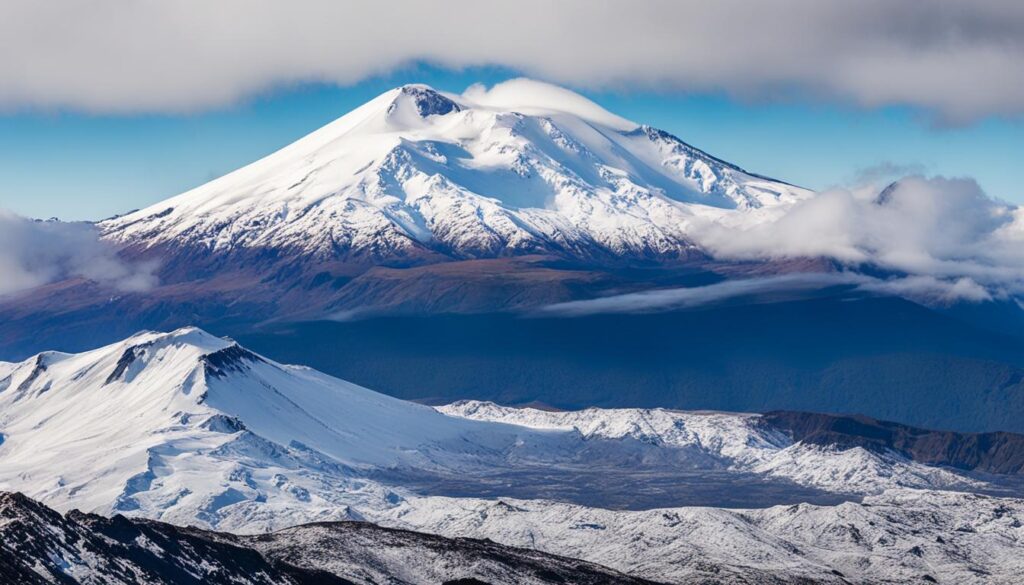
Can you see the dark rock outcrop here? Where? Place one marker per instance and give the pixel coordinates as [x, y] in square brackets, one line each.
[997, 452]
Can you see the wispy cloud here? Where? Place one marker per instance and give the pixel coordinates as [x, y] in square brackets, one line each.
[925, 289]
[959, 59]
[33, 253]
[682, 298]
[929, 289]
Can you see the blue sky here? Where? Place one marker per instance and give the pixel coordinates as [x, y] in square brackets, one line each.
[80, 166]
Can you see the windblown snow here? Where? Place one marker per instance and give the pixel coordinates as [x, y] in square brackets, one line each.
[189, 428]
[523, 168]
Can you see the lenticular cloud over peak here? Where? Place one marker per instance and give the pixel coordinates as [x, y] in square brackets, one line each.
[525, 95]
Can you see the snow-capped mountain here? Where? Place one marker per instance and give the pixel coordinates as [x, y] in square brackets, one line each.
[185, 426]
[416, 171]
[188, 428]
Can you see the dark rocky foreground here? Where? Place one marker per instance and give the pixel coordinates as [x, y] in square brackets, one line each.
[38, 545]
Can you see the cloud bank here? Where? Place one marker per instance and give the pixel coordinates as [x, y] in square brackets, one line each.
[946, 230]
[33, 253]
[937, 241]
[957, 58]
[524, 95]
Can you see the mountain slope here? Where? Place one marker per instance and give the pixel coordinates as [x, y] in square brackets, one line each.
[365, 553]
[986, 452]
[765, 444]
[187, 423]
[40, 546]
[415, 173]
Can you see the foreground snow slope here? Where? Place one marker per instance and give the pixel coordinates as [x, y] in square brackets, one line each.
[416, 169]
[898, 537]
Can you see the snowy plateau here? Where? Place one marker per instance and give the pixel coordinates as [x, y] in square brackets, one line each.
[191, 429]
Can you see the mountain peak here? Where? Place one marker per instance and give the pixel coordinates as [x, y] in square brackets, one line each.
[192, 338]
[424, 100]
[521, 168]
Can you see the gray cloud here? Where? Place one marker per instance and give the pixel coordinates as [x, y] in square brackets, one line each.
[958, 59]
[33, 253]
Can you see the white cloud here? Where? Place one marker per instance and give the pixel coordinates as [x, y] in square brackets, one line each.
[930, 290]
[33, 253]
[958, 58]
[947, 229]
[523, 94]
[942, 241]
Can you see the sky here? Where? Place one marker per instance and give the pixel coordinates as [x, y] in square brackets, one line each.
[106, 108]
[85, 166]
